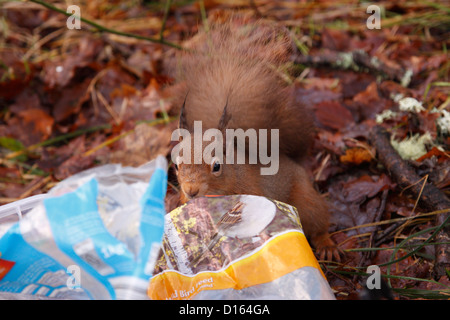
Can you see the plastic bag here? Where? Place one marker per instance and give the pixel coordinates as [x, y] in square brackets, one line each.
[96, 235]
[236, 247]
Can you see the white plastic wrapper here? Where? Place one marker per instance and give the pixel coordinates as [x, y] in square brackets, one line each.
[238, 247]
[96, 235]
[104, 234]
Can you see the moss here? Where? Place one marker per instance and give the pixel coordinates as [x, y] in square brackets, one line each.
[443, 123]
[413, 147]
[410, 105]
[386, 114]
[406, 79]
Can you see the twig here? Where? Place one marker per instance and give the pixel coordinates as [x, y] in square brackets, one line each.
[56, 140]
[378, 218]
[108, 108]
[431, 198]
[105, 29]
[166, 14]
[356, 60]
[39, 183]
[388, 232]
[368, 254]
[37, 45]
[395, 221]
[322, 166]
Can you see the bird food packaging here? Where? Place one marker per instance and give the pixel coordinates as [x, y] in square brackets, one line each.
[236, 247]
[95, 235]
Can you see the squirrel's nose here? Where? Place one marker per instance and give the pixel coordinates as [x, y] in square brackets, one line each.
[190, 191]
[193, 193]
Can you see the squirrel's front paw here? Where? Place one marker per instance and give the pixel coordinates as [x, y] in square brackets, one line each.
[326, 248]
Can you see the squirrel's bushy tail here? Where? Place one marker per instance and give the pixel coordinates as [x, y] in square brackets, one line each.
[238, 62]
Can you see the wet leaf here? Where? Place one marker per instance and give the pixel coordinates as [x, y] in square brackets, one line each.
[356, 156]
[364, 187]
[331, 114]
[42, 122]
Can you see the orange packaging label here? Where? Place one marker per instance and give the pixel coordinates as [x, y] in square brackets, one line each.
[5, 266]
[281, 255]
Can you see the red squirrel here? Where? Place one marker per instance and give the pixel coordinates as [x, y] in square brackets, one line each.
[231, 79]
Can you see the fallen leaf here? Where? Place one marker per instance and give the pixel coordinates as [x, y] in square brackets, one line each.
[42, 122]
[332, 114]
[330, 141]
[59, 71]
[368, 103]
[310, 97]
[435, 152]
[15, 75]
[337, 40]
[145, 143]
[69, 101]
[356, 156]
[357, 190]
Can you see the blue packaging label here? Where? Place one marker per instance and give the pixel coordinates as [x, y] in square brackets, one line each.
[33, 272]
[80, 233]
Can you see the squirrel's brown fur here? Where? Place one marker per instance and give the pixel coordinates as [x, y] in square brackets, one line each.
[242, 63]
[237, 65]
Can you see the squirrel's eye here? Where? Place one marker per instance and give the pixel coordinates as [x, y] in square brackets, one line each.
[216, 166]
[176, 166]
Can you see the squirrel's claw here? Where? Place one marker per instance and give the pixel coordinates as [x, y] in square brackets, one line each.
[326, 249]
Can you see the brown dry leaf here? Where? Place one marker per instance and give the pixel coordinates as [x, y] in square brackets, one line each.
[145, 104]
[75, 159]
[408, 267]
[352, 82]
[139, 62]
[27, 99]
[330, 141]
[70, 101]
[357, 201]
[444, 283]
[125, 90]
[143, 144]
[356, 156]
[435, 152]
[427, 122]
[368, 103]
[42, 121]
[332, 114]
[113, 77]
[322, 84]
[73, 165]
[26, 16]
[356, 190]
[59, 71]
[336, 40]
[15, 76]
[30, 122]
[312, 96]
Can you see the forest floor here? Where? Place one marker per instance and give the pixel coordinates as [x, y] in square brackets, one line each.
[71, 99]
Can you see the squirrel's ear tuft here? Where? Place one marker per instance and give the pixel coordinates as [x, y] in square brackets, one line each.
[225, 118]
[182, 124]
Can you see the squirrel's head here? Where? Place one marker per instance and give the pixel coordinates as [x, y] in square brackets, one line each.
[197, 180]
[208, 175]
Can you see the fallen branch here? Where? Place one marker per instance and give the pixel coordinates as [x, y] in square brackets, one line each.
[431, 198]
[355, 60]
